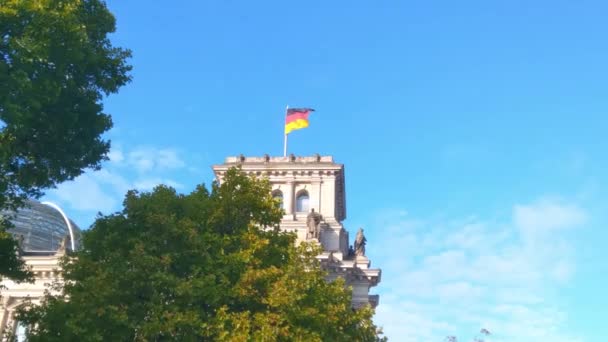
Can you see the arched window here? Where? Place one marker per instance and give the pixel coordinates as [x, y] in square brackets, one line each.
[302, 202]
[278, 195]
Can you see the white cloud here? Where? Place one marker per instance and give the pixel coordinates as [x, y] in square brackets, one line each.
[146, 159]
[169, 159]
[459, 291]
[85, 193]
[149, 184]
[409, 321]
[104, 190]
[116, 155]
[142, 159]
[547, 215]
[117, 183]
[455, 277]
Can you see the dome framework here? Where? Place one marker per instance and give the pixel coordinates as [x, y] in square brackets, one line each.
[41, 227]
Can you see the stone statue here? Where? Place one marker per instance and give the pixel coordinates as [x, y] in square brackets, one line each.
[360, 242]
[312, 221]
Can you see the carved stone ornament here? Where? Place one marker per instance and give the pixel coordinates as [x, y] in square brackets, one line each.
[360, 242]
[313, 221]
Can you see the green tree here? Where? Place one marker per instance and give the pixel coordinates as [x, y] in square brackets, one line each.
[56, 64]
[194, 267]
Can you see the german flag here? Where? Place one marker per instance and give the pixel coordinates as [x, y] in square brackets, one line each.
[296, 118]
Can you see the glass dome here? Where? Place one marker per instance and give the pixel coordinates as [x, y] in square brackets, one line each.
[42, 227]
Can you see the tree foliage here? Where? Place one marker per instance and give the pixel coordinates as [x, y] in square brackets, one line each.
[479, 338]
[173, 267]
[56, 64]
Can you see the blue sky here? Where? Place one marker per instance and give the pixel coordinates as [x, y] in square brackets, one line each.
[473, 135]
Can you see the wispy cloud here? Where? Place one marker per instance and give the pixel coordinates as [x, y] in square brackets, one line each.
[149, 184]
[116, 156]
[547, 215]
[85, 193]
[454, 277]
[146, 159]
[141, 168]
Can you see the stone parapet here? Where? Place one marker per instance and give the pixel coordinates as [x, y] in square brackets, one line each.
[278, 160]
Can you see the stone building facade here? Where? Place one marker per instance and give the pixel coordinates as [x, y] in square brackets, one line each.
[45, 234]
[315, 185]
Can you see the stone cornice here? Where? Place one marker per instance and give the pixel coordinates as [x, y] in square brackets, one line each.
[291, 159]
[321, 164]
[292, 168]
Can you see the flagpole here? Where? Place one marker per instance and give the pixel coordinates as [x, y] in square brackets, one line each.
[285, 140]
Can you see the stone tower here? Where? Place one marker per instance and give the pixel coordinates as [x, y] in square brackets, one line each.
[313, 189]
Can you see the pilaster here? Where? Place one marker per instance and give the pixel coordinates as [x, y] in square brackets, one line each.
[328, 209]
[288, 199]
